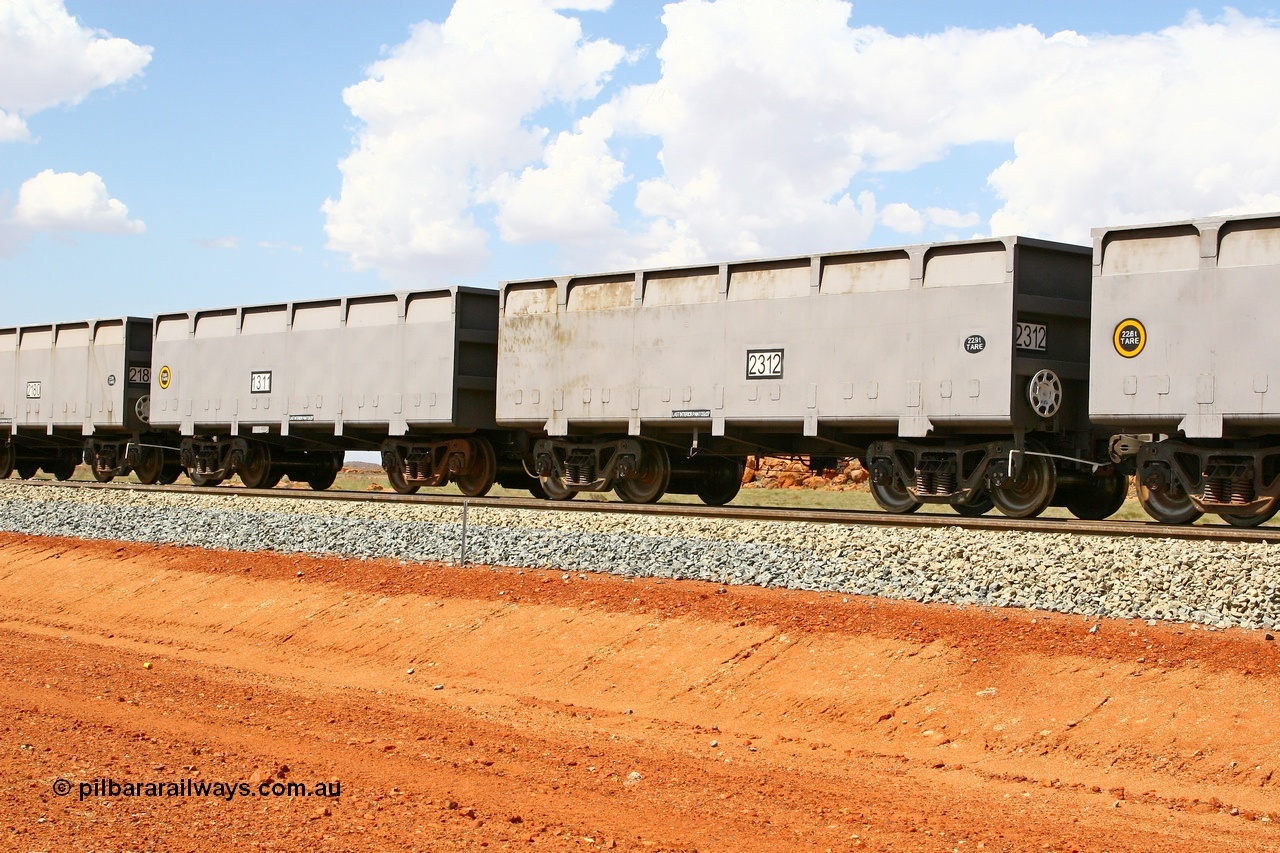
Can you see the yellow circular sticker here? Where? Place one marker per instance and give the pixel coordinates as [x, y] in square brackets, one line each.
[166, 376]
[1130, 337]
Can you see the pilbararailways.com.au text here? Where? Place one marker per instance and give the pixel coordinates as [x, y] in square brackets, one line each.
[99, 788]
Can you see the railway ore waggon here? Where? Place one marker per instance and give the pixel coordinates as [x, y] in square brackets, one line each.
[72, 391]
[267, 391]
[956, 371]
[1184, 358]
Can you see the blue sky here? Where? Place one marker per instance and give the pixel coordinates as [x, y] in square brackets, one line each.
[158, 156]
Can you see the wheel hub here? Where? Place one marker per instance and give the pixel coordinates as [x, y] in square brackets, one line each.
[1044, 393]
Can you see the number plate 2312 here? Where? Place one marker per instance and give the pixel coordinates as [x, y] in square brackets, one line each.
[764, 364]
[1032, 336]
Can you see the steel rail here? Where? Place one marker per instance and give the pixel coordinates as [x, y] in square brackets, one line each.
[1144, 529]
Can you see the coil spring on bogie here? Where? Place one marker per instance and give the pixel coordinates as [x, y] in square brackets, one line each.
[936, 483]
[1215, 489]
[579, 470]
[1241, 492]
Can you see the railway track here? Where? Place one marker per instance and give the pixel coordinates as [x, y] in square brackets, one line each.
[1151, 529]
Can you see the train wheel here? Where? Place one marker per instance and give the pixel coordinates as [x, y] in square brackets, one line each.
[722, 482]
[204, 479]
[103, 476]
[1252, 520]
[1166, 507]
[894, 497]
[6, 461]
[398, 483]
[150, 465]
[273, 479]
[979, 503]
[535, 488]
[395, 475]
[1101, 498]
[649, 483]
[321, 478]
[65, 467]
[480, 476]
[554, 489]
[26, 470]
[256, 468]
[325, 471]
[169, 473]
[1032, 492]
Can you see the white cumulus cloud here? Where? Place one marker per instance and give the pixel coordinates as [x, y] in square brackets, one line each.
[446, 115]
[906, 219]
[66, 201]
[777, 122]
[902, 217]
[48, 58]
[947, 218]
[567, 198]
[1144, 128]
[769, 110]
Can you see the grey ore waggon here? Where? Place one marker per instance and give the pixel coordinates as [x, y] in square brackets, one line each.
[958, 373]
[1185, 364]
[1000, 372]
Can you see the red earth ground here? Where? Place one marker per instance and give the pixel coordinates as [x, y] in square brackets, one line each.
[505, 708]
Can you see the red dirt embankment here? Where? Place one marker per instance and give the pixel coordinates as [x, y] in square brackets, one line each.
[461, 709]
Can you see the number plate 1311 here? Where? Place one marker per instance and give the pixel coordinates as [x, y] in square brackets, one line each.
[764, 364]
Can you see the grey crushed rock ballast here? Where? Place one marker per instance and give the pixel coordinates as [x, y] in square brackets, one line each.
[1213, 583]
